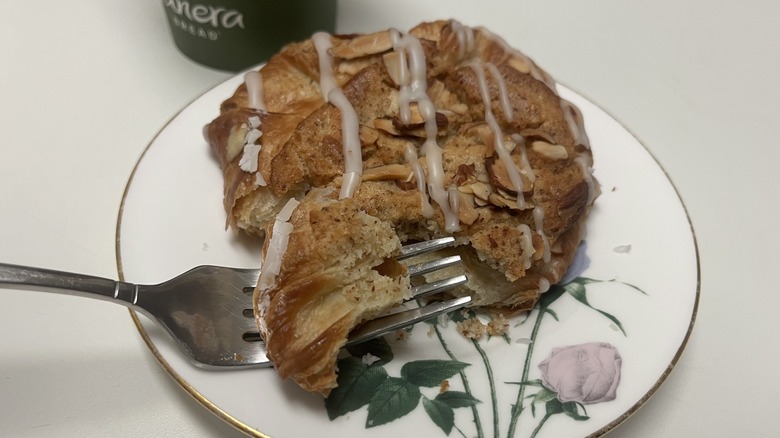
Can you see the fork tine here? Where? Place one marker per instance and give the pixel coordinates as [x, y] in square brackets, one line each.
[406, 318]
[437, 286]
[385, 324]
[433, 265]
[418, 248]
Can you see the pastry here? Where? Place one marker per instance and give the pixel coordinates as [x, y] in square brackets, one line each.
[343, 147]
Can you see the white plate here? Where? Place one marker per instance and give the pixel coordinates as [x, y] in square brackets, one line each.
[640, 247]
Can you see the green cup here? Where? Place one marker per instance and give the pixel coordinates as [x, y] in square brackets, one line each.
[235, 34]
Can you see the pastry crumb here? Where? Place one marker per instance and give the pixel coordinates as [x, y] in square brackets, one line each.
[498, 325]
[369, 359]
[471, 328]
[402, 335]
[444, 386]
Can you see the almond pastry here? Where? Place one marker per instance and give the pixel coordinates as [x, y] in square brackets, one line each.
[343, 147]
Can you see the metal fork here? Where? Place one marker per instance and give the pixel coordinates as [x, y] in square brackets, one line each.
[208, 309]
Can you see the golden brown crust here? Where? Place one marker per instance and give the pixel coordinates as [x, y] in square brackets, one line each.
[513, 248]
[335, 274]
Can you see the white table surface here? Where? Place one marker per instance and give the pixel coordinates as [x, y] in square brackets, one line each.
[84, 86]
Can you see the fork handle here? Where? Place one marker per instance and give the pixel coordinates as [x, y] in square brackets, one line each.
[68, 283]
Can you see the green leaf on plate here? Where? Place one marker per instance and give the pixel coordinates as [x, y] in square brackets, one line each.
[457, 399]
[544, 395]
[552, 313]
[577, 290]
[553, 407]
[441, 414]
[376, 347]
[535, 382]
[393, 399]
[549, 297]
[572, 410]
[357, 385]
[430, 373]
[586, 280]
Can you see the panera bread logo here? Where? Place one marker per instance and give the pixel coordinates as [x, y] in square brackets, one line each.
[217, 17]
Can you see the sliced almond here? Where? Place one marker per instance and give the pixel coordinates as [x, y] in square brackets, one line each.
[388, 172]
[235, 142]
[362, 45]
[519, 65]
[395, 127]
[368, 135]
[459, 108]
[503, 202]
[386, 125]
[551, 151]
[483, 132]
[466, 211]
[496, 200]
[415, 118]
[499, 176]
[511, 203]
[504, 193]
[481, 190]
[536, 134]
[466, 189]
[353, 66]
[480, 202]
[393, 63]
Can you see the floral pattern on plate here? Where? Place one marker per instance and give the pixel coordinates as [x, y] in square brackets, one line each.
[571, 376]
[638, 232]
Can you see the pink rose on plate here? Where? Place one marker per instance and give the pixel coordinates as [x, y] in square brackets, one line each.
[585, 373]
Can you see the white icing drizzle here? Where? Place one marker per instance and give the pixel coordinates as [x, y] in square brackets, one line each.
[413, 89]
[277, 246]
[350, 139]
[410, 153]
[454, 197]
[539, 223]
[526, 170]
[580, 137]
[504, 95]
[526, 245]
[465, 36]
[253, 135]
[251, 155]
[350, 127]
[498, 135]
[254, 90]
[286, 212]
[588, 172]
[248, 161]
[323, 43]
